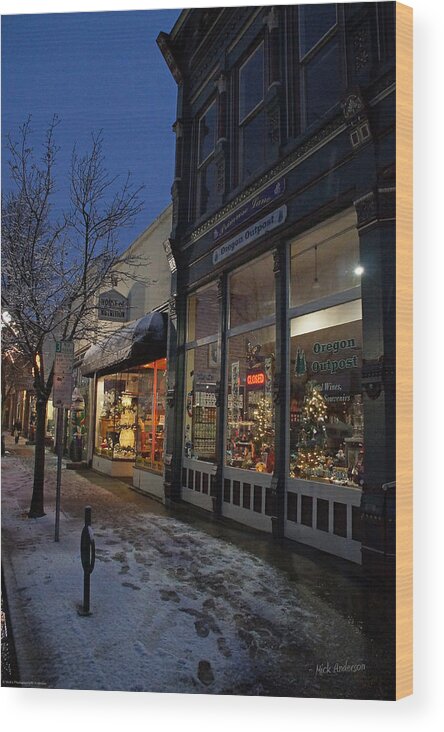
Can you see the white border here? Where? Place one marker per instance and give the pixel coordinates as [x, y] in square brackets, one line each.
[68, 710]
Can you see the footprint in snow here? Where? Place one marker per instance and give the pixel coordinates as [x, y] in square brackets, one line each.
[130, 584]
[169, 595]
[205, 673]
[223, 647]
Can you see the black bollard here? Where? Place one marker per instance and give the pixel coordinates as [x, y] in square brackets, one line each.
[88, 556]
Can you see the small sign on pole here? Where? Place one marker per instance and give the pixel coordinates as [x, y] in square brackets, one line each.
[63, 365]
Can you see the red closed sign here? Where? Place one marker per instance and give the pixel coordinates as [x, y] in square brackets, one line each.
[255, 379]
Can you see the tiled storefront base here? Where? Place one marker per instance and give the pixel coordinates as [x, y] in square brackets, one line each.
[114, 468]
[324, 516]
[149, 483]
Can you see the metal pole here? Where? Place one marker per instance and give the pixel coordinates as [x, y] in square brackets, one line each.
[59, 436]
[87, 574]
[88, 557]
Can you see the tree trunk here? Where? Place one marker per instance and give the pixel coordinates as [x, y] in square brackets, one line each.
[37, 504]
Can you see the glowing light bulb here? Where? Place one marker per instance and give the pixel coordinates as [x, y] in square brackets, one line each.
[359, 270]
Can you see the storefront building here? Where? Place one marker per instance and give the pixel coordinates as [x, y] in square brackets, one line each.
[123, 415]
[129, 372]
[281, 351]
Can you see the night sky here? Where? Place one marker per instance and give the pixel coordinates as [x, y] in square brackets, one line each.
[96, 71]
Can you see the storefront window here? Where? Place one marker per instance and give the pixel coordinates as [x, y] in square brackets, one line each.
[325, 261]
[202, 373]
[151, 410]
[252, 292]
[250, 412]
[326, 410]
[130, 416]
[117, 415]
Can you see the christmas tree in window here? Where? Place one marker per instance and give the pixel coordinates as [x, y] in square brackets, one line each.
[311, 456]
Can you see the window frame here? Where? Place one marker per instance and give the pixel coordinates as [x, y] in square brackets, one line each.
[323, 39]
[201, 166]
[299, 62]
[253, 110]
[241, 123]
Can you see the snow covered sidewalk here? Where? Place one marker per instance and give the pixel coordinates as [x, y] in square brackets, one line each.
[174, 608]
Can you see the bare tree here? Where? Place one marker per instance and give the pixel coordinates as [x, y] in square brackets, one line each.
[52, 269]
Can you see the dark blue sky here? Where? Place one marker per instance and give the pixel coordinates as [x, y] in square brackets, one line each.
[96, 71]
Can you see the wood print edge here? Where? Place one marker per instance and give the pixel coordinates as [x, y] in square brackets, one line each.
[404, 349]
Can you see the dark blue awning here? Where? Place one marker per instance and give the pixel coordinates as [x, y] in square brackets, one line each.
[138, 342]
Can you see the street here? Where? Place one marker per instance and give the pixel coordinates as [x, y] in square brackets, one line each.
[180, 603]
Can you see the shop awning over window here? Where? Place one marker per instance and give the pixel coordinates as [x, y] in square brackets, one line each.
[139, 342]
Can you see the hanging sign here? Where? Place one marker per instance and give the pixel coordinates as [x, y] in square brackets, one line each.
[255, 231]
[63, 365]
[113, 307]
[270, 194]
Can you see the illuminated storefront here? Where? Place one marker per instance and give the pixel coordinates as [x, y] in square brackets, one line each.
[281, 407]
[130, 402]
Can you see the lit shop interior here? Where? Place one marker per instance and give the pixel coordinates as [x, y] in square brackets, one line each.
[324, 404]
[130, 416]
[130, 402]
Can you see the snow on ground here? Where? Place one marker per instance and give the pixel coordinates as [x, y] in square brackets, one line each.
[174, 609]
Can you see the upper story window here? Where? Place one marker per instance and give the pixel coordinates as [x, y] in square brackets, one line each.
[251, 83]
[207, 133]
[314, 23]
[320, 60]
[206, 169]
[252, 127]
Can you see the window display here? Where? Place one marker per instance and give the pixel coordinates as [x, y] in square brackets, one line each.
[202, 373]
[326, 410]
[130, 417]
[202, 370]
[250, 412]
[151, 416]
[116, 416]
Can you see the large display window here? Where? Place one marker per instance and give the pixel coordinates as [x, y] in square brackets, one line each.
[250, 427]
[130, 415]
[326, 408]
[325, 261]
[202, 374]
[250, 407]
[151, 408]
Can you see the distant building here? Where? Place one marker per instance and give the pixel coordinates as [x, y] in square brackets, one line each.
[120, 380]
[282, 375]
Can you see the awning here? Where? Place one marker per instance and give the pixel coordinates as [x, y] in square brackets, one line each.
[138, 342]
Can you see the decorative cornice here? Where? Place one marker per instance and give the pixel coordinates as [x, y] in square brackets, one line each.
[305, 150]
[377, 205]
